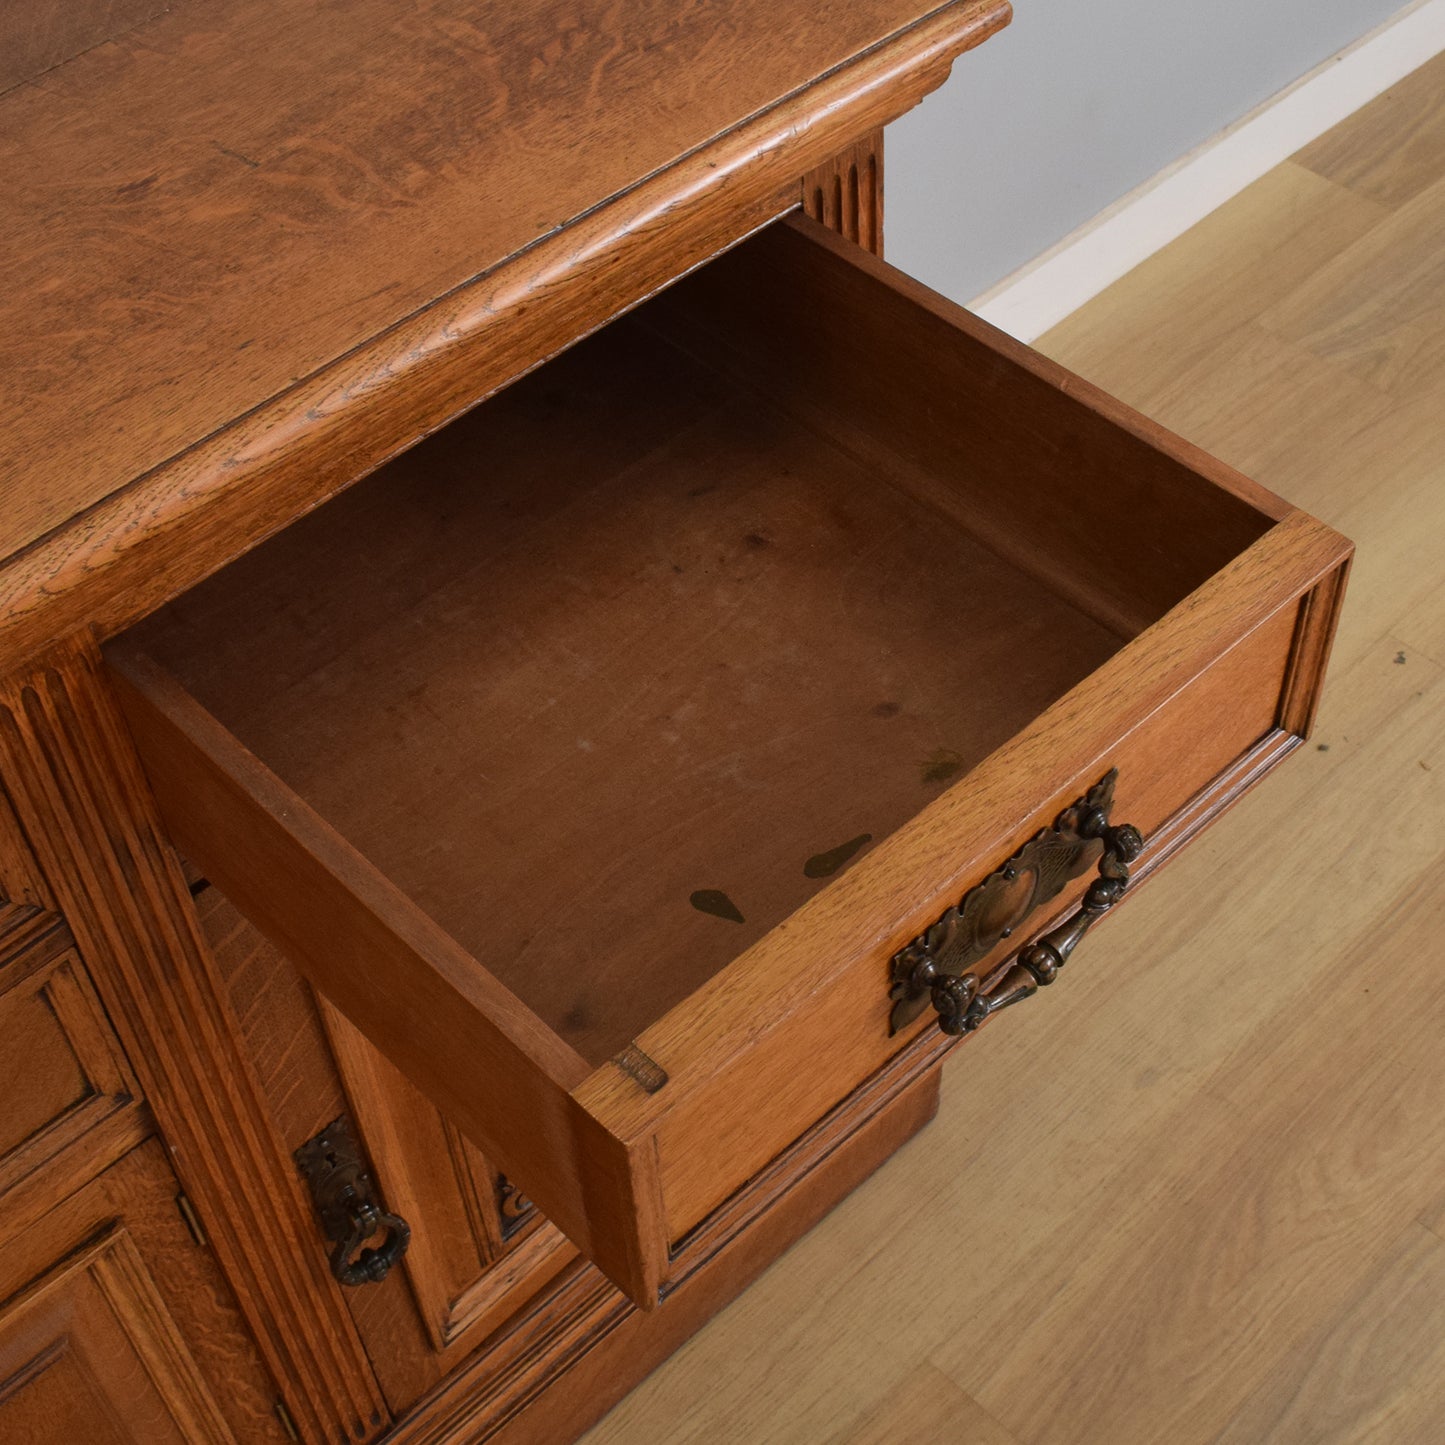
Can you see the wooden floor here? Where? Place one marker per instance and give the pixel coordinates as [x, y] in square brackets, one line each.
[1198, 1194]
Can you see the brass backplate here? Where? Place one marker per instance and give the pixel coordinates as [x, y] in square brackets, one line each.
[994, 909]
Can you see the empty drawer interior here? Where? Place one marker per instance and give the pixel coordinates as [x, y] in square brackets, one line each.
[616, 670]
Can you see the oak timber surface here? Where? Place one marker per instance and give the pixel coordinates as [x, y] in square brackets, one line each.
[614, 673]
[1217, 1214]
[223, 198]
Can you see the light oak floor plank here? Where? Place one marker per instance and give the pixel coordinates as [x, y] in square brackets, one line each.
[1378, 308]
[1394, 147]
[1375, 1373]
[1207, 286]
[926, 1406]
[1196, 1193]
[1258, 1210]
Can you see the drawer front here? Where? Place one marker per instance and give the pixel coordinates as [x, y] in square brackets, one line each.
[1183, 761]
[71, 1103]
[857, 453]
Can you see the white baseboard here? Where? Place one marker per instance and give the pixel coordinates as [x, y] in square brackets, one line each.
[1048, 288]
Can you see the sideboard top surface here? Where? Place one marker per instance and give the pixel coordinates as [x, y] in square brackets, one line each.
[206, 207]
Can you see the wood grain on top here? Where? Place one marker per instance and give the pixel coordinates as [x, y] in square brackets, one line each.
[224, 199]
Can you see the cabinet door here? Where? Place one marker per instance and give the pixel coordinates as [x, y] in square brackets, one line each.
[113, 1325]
[479, 1251]
[481, 1248]
[71, 1103]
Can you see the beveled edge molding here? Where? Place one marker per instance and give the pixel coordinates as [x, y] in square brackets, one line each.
[26, 929]
[1309, 657]
[166, 530]
[89, 819]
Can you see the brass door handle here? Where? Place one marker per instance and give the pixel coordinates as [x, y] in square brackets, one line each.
[351, 1264]
[346, 1205]
[932, 969]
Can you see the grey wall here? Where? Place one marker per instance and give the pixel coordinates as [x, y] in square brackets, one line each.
[1075, 104]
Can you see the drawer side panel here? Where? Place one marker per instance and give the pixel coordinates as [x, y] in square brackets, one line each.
[457, 1034]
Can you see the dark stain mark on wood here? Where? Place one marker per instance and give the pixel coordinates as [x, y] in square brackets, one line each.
[942, 766]
[716, 902]
[637, 1066]
[824, 865]
[236, 156]
[887, 709]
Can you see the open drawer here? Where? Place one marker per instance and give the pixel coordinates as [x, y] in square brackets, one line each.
[597, 755]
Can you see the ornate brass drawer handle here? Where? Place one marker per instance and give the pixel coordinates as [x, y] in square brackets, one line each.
[934, 968]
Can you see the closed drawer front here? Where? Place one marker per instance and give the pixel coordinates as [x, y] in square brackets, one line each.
[71, 1105]
[597, 755]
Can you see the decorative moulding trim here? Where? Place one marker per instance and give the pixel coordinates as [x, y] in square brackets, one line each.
[83, 806]
[160, 533]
